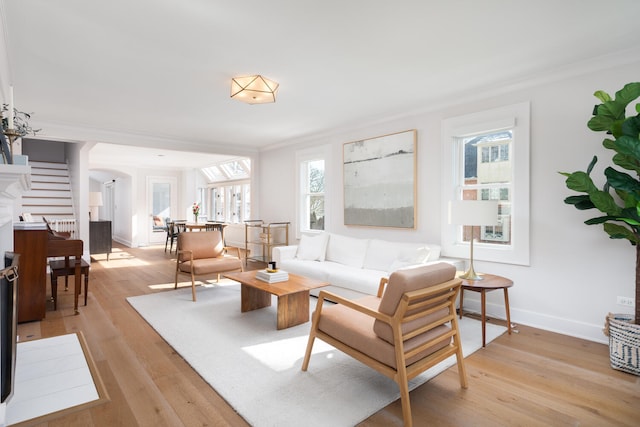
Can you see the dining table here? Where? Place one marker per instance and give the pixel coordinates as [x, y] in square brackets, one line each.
[191, 226]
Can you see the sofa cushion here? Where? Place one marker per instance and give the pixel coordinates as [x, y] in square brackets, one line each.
[347, 250]
[358, 279]
[312, 247]
[408, 280]
[390, 256]
[312, 269]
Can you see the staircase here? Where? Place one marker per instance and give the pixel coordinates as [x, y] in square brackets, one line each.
[50, 196]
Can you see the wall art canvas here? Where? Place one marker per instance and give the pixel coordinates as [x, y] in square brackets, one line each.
[379, 181]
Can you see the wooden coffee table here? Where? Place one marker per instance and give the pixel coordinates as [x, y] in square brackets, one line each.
[293, 296]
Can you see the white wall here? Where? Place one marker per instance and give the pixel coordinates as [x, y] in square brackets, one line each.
[77, 155]
[132, 216]
[576, 272]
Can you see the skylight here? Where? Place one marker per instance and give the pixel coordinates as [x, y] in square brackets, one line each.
[229, 171]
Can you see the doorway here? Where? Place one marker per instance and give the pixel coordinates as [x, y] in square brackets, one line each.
[162, 202]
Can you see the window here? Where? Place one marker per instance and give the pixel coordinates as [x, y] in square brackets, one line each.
[231, 202]
[312, 184]
[312, 199]
[489, 179]
[487, 158]
[202, 201]
[230, 191]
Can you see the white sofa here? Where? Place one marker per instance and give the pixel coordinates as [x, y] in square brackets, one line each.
[353, 266]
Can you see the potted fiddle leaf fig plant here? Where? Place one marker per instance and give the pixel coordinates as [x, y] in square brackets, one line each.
[619, 205]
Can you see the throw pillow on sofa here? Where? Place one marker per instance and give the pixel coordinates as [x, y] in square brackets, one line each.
[391, 256]
[347, 250]
[312, 247]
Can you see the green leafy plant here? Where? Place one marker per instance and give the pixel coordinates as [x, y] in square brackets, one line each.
[619, 199]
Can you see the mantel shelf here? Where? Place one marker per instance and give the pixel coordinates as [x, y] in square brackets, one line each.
[15, 180]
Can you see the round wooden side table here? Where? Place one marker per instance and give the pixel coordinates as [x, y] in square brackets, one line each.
[490, 282]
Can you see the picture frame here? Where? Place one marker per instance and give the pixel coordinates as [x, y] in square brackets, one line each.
[379, 176]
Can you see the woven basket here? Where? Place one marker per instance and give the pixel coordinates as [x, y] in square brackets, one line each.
[624, 343]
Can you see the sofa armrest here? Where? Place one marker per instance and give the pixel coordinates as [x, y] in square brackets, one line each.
[282, 253]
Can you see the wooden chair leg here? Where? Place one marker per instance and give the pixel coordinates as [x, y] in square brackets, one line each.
[307, 354]
[403, 384]
[462, 370]
[54, 291]
[86, 287]
[193, 286]
[312, 334]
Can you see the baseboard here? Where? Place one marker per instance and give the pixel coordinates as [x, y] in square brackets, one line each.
[122, 241]
[587, 331]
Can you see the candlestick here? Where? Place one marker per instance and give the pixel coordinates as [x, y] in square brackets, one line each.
[10, 124]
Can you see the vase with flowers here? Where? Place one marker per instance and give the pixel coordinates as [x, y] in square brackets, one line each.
[196, 210]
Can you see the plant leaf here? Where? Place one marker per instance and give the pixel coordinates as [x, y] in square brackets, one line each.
[580, 181]
[622, 181]
[616, 231]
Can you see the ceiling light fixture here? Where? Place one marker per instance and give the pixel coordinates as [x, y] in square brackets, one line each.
[254, 89]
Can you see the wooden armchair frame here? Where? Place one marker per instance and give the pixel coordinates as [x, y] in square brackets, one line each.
[413, 305]
[214, 264]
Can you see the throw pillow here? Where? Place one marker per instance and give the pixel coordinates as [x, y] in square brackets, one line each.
[347, 250]
[312, 247]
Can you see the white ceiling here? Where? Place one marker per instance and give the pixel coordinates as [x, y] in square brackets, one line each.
[157, 73]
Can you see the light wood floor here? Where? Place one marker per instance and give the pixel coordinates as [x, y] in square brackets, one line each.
[533, 378]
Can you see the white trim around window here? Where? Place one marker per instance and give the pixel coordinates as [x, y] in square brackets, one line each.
[316, 153]
[517, 118]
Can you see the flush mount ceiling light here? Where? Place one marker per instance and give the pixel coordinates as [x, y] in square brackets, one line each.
[254, 89]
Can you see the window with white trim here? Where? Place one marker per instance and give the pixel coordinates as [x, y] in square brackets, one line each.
[312, 195]
[312, 170]
[486, 157]
[231, 202]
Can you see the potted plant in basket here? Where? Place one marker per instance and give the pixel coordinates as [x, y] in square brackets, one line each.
[619, 203]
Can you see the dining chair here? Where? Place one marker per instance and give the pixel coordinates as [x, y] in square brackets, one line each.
[173, 229]
[71, 251]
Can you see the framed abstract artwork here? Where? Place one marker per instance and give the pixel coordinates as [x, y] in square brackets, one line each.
[380, 181]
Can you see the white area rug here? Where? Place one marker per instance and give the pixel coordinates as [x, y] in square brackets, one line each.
[256, 368]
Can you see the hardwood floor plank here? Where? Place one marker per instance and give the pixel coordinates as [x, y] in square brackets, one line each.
[533, 378]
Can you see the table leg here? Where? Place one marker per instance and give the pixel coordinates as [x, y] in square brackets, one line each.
[253, 299]
[293, 309]
[506, 305]
[483, 298]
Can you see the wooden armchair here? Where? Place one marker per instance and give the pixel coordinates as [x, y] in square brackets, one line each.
[201, 253]
[403, 331]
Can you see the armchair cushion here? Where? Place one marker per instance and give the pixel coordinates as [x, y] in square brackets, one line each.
[203, 244]
[211, 265]
[356, 329]
[408, 280]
